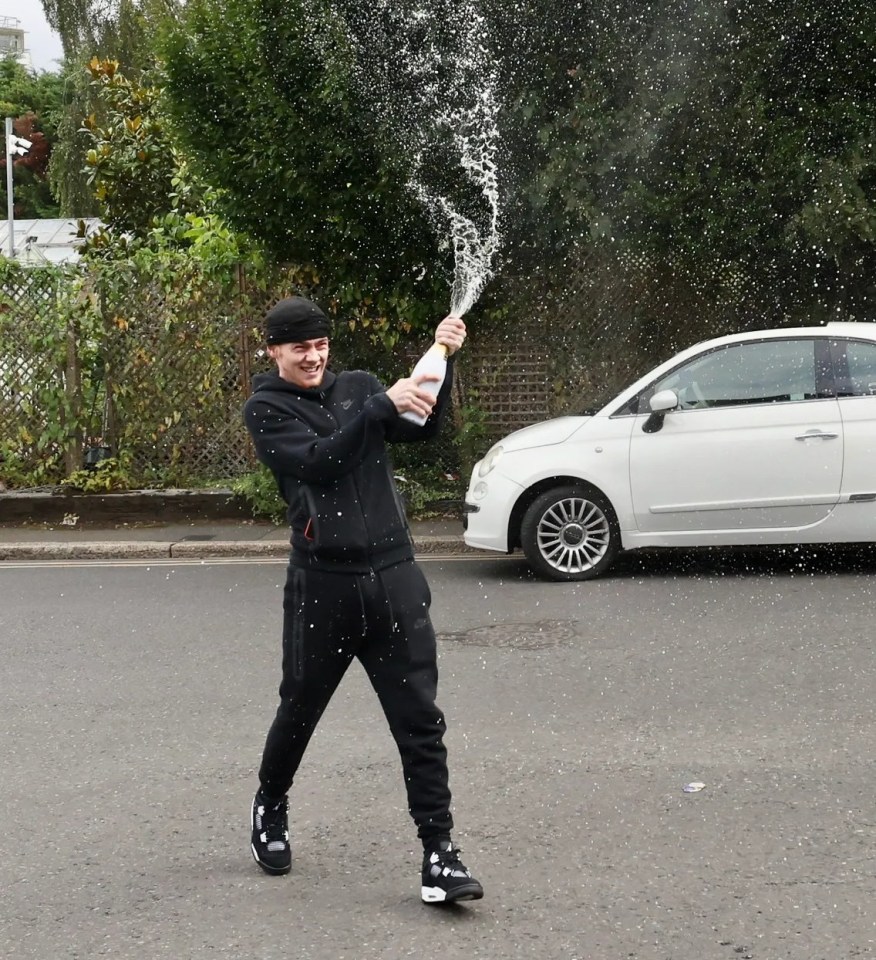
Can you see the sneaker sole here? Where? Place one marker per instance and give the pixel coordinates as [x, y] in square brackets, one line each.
[471, 891]
[274, 871]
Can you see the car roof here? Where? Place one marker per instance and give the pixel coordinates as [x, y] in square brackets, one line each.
[844, 328]
[836, 328]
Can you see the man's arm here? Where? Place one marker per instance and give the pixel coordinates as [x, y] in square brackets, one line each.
[289, 446]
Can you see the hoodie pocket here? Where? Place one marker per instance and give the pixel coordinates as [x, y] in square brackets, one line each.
[308, 522]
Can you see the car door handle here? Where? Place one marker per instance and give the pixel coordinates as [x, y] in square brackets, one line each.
[817, 435]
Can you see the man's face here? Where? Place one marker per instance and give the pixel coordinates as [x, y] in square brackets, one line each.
[302, 363]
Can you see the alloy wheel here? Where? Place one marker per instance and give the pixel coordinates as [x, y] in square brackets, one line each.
[573, 535]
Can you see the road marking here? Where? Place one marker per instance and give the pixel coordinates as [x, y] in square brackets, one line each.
[209, 561]
[137, 562]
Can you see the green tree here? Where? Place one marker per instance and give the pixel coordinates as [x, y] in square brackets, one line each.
[33, 100]
[541, 48]
[263, 101]
[67, 173]
[131, 163]
[151, 202]
[121, 30]
[729, 136]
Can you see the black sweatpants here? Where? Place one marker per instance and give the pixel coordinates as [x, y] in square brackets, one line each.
[383, 619]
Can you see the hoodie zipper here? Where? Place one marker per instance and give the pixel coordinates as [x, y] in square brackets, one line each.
[355, 483]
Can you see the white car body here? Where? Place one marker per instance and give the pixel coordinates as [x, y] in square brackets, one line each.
[797, 469]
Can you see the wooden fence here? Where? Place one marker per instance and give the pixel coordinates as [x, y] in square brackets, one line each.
[131, 369]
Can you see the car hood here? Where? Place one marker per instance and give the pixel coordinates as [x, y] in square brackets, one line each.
[542, 434]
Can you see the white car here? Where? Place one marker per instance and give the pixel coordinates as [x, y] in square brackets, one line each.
[766, 437]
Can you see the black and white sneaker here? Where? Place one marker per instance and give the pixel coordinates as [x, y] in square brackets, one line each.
[270, 834]
[445, 878]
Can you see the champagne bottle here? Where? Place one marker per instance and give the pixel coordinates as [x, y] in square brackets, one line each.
[434, 362]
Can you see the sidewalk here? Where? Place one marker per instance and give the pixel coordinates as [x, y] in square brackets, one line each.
[204, 539]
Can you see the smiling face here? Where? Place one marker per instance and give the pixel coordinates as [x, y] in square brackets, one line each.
[303, 362]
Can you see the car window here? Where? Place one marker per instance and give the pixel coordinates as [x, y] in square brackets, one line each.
[856, 373]
[765, 371]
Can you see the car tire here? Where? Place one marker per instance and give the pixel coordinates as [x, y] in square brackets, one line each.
[570, 533]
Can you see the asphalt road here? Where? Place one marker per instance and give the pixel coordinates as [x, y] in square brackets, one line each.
[135, 699]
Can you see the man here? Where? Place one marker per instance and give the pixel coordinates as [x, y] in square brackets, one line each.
[353, 588]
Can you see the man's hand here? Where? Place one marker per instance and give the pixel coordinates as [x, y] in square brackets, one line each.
[450, 333]
[409, 397]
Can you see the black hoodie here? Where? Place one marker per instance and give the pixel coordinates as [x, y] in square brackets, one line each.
[326, 447]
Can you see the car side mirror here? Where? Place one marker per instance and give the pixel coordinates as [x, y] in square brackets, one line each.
[661, 403]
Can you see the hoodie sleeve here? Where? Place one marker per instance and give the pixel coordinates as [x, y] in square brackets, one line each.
[399, 430]
[287, 445]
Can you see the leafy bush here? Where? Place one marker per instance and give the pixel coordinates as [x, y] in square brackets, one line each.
[428, 490]
[108, 475]
[259, 489]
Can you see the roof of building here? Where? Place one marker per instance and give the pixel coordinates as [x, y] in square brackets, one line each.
[46, 241]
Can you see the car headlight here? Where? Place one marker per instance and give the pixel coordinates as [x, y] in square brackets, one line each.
[490, 460]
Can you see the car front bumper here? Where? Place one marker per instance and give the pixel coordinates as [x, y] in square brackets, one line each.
[488, 505]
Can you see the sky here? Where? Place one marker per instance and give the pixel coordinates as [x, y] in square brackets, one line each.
[42, 42]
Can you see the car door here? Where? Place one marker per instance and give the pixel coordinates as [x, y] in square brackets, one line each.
[755, 443]
[855, 365]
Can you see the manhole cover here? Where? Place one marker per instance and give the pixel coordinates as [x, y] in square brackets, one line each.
[517, 636]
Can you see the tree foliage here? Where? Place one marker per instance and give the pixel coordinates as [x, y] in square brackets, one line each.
[711, 136]
[261, 94]
[33, 100]
[150, 200]
[121, 30]
[738, 135]
[67, 174]
[108, 29]
[131, 163]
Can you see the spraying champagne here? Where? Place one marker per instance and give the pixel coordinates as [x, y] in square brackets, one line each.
[434, 85]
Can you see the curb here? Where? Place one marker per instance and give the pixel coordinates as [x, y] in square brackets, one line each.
[120, 550]
[181, 549]
[51, 506]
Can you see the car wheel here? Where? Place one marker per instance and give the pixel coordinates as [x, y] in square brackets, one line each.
[570, 533]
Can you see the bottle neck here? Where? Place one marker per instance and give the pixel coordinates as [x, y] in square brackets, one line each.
[439, 349]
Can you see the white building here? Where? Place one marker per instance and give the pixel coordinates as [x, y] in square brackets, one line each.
[46, 241]
[12, 41]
